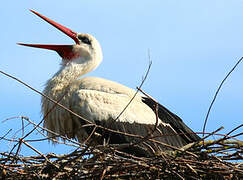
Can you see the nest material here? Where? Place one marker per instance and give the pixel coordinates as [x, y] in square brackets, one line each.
[218, 159]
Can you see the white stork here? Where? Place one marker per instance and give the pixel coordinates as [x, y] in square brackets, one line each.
[100, 101]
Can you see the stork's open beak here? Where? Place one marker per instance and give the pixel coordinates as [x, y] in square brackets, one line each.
[62, 50]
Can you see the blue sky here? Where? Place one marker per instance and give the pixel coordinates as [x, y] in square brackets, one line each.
[193, 44]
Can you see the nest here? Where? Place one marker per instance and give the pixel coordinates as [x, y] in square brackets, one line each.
[217, 159]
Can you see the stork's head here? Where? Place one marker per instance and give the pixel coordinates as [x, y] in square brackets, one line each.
[85, 50]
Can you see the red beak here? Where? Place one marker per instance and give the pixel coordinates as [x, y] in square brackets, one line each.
[63, 50]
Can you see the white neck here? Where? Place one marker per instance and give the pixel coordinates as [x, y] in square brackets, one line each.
[69, 73]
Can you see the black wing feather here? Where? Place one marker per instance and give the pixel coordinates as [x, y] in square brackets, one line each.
[176, 123]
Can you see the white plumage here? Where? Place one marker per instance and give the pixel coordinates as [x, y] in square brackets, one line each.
[101, 101]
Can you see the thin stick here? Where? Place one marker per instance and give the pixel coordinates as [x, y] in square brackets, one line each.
[31, 147]
[55, 102]
[215, 96]
[3, 137]
[143, 80]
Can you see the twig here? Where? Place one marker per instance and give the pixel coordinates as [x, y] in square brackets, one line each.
[135, 94]
[5, 134]
[53, 101]
[215, 96]
[31, 147]
[56, 134]
[238, 127]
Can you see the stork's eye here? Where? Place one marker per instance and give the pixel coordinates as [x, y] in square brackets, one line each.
[84, 39]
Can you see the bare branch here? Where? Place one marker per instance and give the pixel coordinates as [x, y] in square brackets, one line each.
[215, 96]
